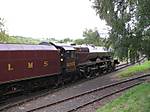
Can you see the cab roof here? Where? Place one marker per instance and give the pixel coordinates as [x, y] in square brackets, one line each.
[65, 46]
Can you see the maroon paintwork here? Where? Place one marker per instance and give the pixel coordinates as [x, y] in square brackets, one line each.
[82, 54]
[45, 59]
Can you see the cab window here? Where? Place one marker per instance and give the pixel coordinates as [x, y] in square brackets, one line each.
[70, 54]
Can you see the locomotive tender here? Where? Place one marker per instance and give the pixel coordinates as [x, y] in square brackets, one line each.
[24, 67]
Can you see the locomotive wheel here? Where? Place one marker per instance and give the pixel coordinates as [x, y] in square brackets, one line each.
[60, 81]
[89, 73]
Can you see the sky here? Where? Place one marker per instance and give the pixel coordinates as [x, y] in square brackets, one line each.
[50, 18]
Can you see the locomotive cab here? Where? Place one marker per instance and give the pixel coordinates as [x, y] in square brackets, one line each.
[67, 58]
[70, 57]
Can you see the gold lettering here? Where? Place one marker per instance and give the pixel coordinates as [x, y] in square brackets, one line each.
[30, 65]
[10, 68]
[45, 63]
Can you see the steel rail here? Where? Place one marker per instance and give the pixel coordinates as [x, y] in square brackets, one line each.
[104, 96]
[91, 91]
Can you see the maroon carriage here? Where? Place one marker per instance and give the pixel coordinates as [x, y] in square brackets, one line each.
[20, 62]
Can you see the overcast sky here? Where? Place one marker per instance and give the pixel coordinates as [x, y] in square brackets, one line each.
[49, 18]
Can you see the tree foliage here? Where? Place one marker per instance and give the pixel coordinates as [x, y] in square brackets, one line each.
[143, 25]
[3, 35]
[128, 20]
[65, 40]
[22, 40]
[90, 37]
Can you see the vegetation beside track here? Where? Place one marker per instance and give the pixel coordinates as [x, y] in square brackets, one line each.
[134, 70]
[136, 99]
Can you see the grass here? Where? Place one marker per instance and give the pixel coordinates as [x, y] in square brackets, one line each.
[136, 99]
[135, 69]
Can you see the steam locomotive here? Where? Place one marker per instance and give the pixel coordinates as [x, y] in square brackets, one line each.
[25, 67]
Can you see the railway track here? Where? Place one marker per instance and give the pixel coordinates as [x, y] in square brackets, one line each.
[83, 99]
[79, 101]
[121, 66]
[5, 107]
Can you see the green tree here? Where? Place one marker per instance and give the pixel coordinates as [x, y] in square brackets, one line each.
[22, 40]
[125, 19]
[143, 25]
[65, 40]
[51, 40]
[92, 37]
[3, 35]
[115, 14]
[79, 41]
